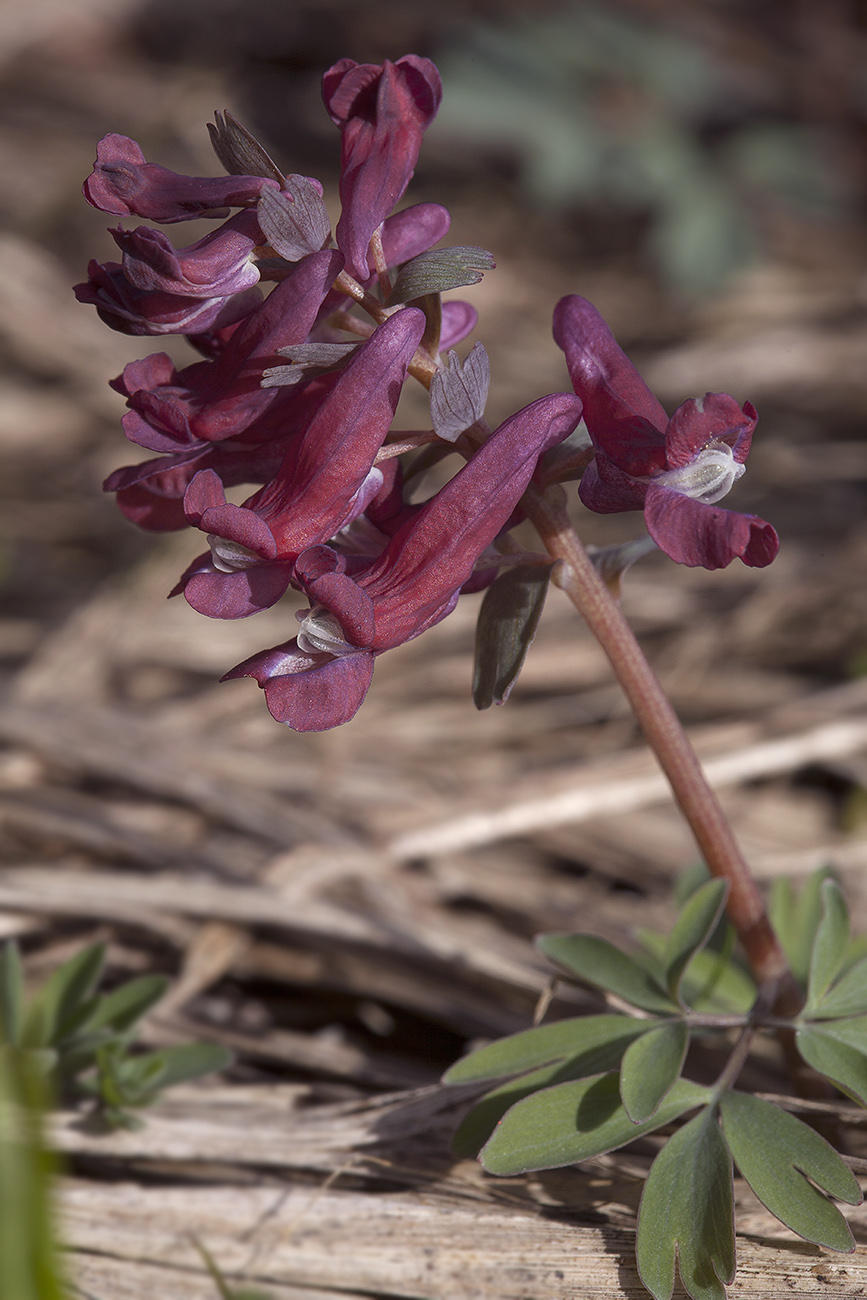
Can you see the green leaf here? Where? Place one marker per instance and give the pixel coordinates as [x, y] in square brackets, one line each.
[121, 1009]
[777, 1154]
[712, 981]
[606, 1054]
[61, 998]
[650, 1067]
[848, 997]
[11, 994]
[692, 929]
[829, 944]
[189, 1061]
[439, 270]
[596, 961]
[687, 1214]
[574, 1121]
[542, 1044]
[831, 1051]
[508, 619]
[795, 918]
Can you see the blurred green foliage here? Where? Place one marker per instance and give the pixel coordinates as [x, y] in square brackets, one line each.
[82, 1041]
[601, 108]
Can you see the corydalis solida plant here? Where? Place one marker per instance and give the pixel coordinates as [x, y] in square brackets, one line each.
[329, 516]
[294, 396]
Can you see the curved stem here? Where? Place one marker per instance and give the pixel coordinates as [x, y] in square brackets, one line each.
[664, 733]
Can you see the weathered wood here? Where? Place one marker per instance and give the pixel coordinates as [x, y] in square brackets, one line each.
[400, 1244]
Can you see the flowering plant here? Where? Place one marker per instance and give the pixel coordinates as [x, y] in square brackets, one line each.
[294, 396]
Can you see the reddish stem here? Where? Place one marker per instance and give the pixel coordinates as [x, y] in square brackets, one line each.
[664, 733]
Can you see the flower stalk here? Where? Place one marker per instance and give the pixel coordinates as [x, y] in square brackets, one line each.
[578, 578]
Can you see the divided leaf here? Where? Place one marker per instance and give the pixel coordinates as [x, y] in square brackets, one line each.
[687, 1214]
[508, 619]
[829, 945]
[795, 918]
[479, 1123]
[838, 1050]
[848, 997]
[777, 1154]
[541, 1045]
[596, 961]
[696, 923]
[574, 1121]
[712, 981]
[650, 1067]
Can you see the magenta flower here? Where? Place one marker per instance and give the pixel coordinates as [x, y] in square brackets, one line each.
[124, 184]
[216, 266]
[319, 680]
[129, 310]
[382, 112]
[213, 400]
[326, 480]
[675, 469]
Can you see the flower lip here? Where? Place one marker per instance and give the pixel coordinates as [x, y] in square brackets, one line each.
[321, 632]
[229, 556]
[708, 477]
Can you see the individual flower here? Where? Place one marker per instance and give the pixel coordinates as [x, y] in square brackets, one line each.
[382, 111]
[130, 310]
[123, 183]
[675, 469]
[319, 680]
[326, 480]
[212, 400]
[216, 266]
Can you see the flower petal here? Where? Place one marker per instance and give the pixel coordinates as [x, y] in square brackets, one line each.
[694, 534]
[309, 692]
[624, 418]
[716, 417]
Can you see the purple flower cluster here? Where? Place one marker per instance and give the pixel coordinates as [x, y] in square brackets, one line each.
[329, 516]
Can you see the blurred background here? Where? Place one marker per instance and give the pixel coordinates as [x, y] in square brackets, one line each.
[699, 171]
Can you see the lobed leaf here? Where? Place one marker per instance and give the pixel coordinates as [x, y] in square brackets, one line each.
[650, 1067]
[542, 1044]
[795, 918]
[476, 1127]
[777, 1154]
[694, 926]
[829, 945]
[596, 961]
[508, 619]
[712, 981]
[839, 1051]
[574, 1121]
[687, 1214]
[848, 997]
